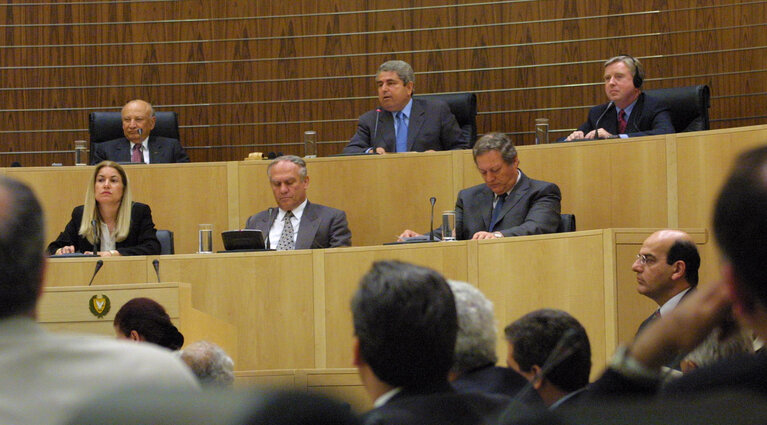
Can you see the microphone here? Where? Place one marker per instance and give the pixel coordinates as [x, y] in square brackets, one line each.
[375, 129]
[268, 228]
[596, 126]
[567, 345]
[140, 131]
[431, 226]
[156, 264]
[98, 267]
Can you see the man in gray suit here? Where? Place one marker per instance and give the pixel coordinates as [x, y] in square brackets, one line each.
[297, 223]
[509, 203]
[404, 123]
[139, 145]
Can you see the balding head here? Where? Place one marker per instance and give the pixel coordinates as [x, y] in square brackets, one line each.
[21, 248]
[138, 120]
[668, 264]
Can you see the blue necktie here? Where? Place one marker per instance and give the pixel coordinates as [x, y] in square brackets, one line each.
[401, 132]
[496, 212]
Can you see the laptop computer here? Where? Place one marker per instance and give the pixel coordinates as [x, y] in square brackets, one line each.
[243, 240]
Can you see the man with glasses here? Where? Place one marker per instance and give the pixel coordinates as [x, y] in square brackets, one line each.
[667, 270]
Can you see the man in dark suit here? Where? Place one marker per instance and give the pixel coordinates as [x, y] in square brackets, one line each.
[740, 215]
[298, 223]
[405, 326]
[474, 368]
[630, 113]
[509, 203]
[404, 123]
[139, 145]
[531, 340]
[667, 270]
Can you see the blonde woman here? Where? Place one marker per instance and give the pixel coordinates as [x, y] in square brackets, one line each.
[110, 223]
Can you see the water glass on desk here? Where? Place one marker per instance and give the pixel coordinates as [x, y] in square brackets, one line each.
[205, 239]
[448, 225]
[541, 131]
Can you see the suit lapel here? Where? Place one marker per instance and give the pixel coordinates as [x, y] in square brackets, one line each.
[307, 229]
[632, 125]
[122, 149]
[386, 137]
[155, 150]
[415, 123]
[519, 191]
[485, 201]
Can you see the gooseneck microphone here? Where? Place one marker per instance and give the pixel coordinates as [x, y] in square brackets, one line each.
[596, 125]
[96, 270]
[375, 130]
[156, 264]
[268, 229]
[431, 225]
[140, 131]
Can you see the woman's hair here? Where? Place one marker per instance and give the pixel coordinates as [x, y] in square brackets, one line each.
[91, 211]
[149, 319]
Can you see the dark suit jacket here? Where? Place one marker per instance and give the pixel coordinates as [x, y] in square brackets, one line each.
[532, 208]
[650, 116]
[438, 406]
[493, 379]
[162, 150]
[320, 227]
[431, 126]
[652, 317]
[141, 238]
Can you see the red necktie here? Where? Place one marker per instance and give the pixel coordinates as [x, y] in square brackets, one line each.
[137, 156]
[622, 122]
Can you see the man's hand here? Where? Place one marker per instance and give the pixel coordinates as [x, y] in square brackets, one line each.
[407, 234]
[484, 235]
[69, 249]
[575, 135]
[603, 134]
[380, 151]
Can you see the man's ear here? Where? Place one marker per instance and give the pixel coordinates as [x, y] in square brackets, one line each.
[537, 381]
[680, 268]
[134, 336]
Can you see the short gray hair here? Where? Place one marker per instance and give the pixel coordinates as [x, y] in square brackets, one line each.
[495, 142]
[210, 363]
[403, 69]
[712, 349]
[475, 344]
[289, 158]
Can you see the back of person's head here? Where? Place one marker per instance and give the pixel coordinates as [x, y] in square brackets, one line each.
[405, 320]
[210, 363]
[535, 335]
[740, 222]
[149, 319]
[715, 348]
[495, 142]
[685, 250]
[21, 248]
[475, 343]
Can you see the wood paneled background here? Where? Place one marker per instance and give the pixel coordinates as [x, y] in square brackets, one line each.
[252, 75]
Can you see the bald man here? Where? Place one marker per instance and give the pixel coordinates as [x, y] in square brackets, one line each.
[138, 145]
[667, 270]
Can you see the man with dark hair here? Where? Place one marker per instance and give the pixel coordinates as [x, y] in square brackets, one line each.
[630, 113]
[44, 376]
[405, 123]
[533, 337]
[509, 203]
[740, 215]
[667, 270]
[405, 328]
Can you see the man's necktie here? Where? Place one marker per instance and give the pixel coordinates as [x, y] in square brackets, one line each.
[286, 242]
[497, 212]
[622, 122]
[401, 132]
[137, 155]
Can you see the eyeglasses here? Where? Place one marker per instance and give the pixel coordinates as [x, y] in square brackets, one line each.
[645, 260]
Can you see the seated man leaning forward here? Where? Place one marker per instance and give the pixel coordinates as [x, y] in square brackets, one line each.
[404, 123]
[139, 145]
[298, 223]
[629, 113]
[509, 203]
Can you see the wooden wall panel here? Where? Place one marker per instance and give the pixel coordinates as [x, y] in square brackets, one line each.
[253, 75]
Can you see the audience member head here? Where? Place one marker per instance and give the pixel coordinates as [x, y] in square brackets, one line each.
[210, 363]
[667, 264]
[531, 340]
[395, 80]
[108, 188]
[714, 348]
[497, 162]
[405, 325]
[21, 248]
[475, 343]
[138, 120]
[143, 319]
[289, 181]
[740, 215]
